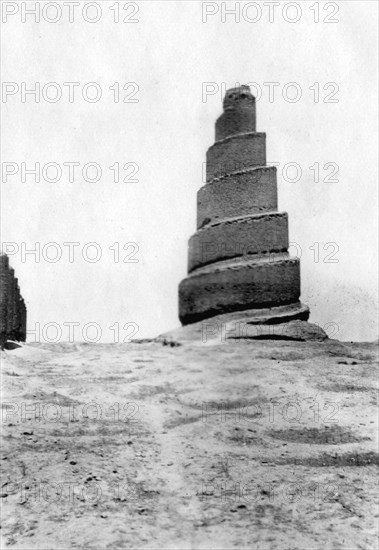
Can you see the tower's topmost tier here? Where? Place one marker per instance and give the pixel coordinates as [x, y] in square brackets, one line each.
[239, 116]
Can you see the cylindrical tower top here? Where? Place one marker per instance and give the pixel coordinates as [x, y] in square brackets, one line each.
[239, 116]
[237, 98]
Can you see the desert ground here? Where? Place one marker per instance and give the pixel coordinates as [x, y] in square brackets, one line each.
[190, 444]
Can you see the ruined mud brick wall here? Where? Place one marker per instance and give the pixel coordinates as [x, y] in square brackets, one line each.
[12, 305]
[238, 259]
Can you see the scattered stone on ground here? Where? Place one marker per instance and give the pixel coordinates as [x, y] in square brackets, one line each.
[266, 444]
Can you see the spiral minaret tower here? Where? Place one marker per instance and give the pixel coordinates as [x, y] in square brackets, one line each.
[238, 259]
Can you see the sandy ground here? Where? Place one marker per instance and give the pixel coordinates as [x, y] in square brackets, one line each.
[262, 444]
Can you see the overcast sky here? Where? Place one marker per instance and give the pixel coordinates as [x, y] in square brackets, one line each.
[326, 119]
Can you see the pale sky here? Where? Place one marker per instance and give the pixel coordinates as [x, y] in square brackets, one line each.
[170, 54]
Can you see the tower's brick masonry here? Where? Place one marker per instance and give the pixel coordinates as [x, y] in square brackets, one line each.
[238, 258]
[12, 305]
